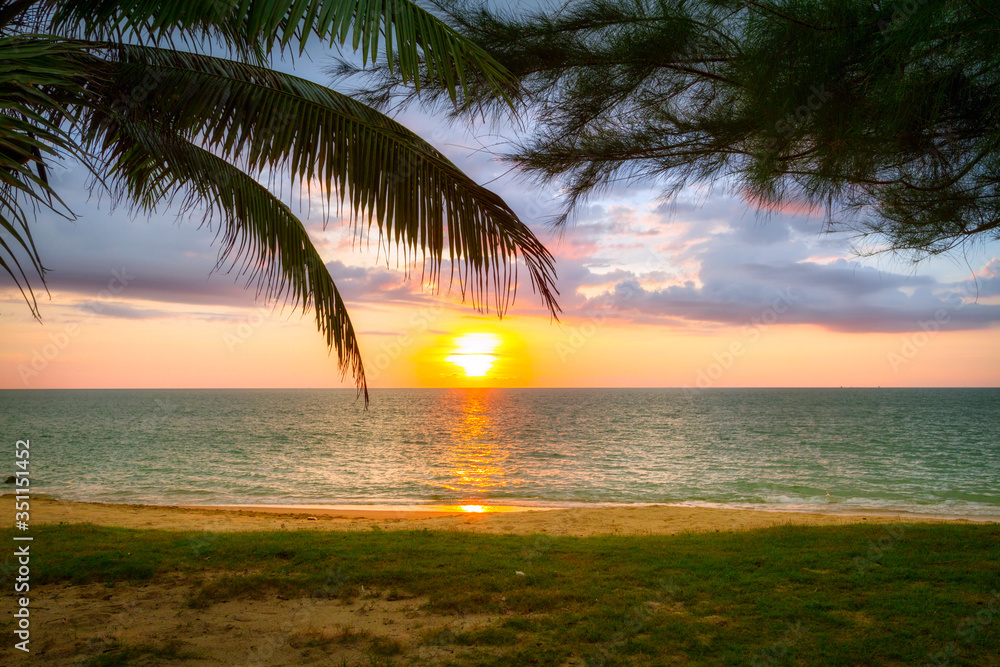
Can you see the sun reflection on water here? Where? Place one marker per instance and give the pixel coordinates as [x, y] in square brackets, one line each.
[476, 463]
[473, 508]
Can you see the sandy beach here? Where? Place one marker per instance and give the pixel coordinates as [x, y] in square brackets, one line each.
[94, 619]
[644, 520]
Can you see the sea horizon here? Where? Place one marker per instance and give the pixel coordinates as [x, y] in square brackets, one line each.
[911, 451]
[374, 391]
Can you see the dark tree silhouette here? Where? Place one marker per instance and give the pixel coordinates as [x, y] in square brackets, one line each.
[885, 113]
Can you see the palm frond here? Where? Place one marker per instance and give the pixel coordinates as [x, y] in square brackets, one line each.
[382, 172]
[258, 231]
[415, 41]
[167, 125]
[40, 80]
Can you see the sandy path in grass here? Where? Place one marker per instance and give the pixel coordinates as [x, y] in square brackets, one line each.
[648, 520]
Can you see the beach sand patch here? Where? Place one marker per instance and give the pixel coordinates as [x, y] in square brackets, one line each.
[155, 622]
[580, 521]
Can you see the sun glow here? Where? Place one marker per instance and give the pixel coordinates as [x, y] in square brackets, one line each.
[473, 508]
[473, 353]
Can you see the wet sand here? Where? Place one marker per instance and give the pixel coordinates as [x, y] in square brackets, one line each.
[641, 520]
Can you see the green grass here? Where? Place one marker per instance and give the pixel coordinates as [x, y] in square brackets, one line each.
[844, 595]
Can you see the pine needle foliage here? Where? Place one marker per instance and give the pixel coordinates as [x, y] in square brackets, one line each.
[886, 113]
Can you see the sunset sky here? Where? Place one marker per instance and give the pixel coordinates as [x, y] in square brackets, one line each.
[702, 291]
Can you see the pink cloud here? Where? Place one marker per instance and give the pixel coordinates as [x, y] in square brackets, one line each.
[787, 207]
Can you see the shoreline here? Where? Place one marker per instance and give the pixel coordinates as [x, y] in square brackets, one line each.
[497, 519]
[410, 510]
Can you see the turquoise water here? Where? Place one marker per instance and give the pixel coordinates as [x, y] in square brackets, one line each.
[932, 451]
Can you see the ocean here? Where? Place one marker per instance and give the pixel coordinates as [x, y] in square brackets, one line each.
[924, 451]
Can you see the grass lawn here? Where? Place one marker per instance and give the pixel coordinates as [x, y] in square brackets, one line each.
[896, 594]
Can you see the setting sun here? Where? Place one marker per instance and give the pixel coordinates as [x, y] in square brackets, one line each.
[477, 509]
[474, 353]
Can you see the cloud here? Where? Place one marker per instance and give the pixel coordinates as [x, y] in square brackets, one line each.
[379, 284]
[721, 264]
[123, 311]
[703, 257]
[840, 296]
[988, 283]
